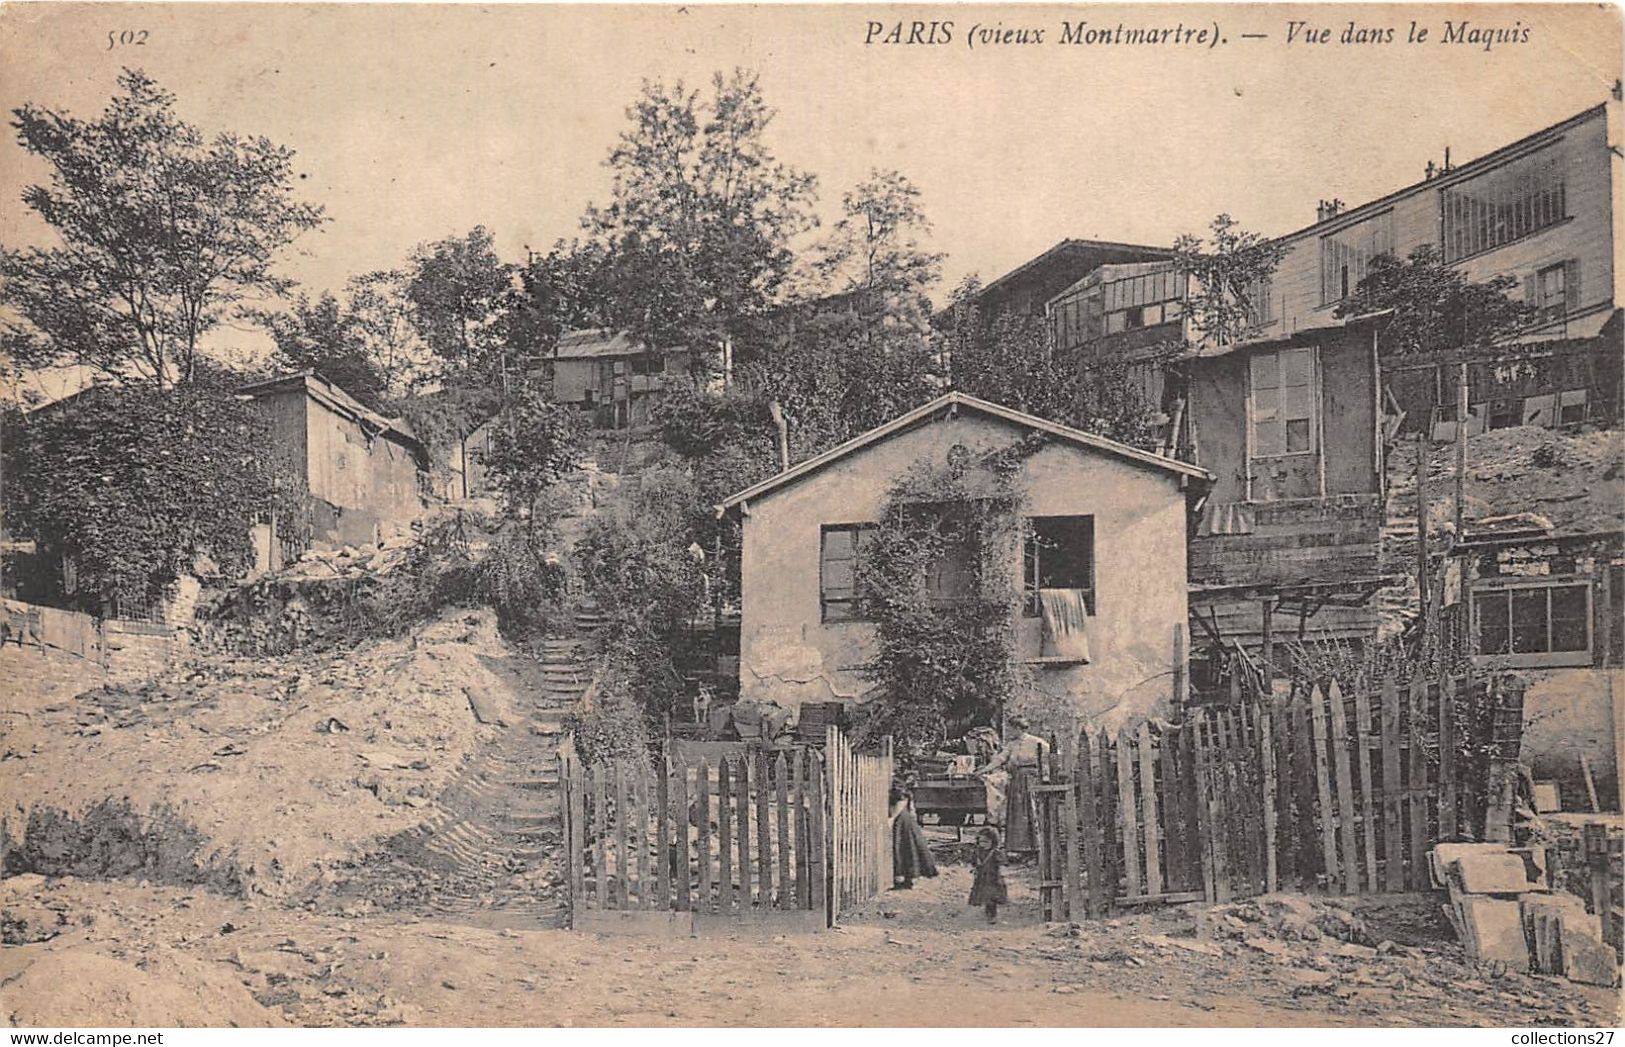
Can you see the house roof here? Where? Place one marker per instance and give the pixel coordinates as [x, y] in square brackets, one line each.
[1284, 340]
[332, 396]
[963, 401]
[596, 342]
[1074, 246]
[1470, 169]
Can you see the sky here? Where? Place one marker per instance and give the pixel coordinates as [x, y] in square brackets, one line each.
[415, 122]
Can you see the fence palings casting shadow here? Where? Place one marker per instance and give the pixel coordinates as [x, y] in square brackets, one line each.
[784, 837]
[1319, 788]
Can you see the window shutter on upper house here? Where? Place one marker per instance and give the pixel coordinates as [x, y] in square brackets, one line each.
[1571, 285]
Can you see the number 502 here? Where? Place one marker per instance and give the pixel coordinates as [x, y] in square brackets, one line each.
[127, 38]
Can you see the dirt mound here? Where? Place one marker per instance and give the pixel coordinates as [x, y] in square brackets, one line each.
[1574, 480]
[282, 764]
[80, 986]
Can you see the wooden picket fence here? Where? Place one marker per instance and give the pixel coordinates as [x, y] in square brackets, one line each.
[783, 838]
[1313, 788]
[860, 823]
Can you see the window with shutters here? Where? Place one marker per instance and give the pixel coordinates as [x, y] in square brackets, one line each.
[1505, 204]
[1534, 624]
[1346, 255]
[1551, 299]
[1282, 403]
[840, 549]
[1554, 291]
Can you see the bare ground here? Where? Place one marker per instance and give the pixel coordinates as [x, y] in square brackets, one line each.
[125, 952]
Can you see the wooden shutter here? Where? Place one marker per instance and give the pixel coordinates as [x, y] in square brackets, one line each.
[1571, 285]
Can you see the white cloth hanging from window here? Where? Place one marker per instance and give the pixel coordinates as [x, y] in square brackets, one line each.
[1066, 625]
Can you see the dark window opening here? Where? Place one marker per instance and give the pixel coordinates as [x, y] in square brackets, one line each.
[1538, 622]
[1059, 553]
[840, 550]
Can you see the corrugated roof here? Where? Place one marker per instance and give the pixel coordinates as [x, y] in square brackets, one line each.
[598, 342]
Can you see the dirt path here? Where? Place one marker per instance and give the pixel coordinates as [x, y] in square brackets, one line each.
[915, 958]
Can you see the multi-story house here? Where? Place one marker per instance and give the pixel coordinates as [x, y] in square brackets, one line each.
[1297, 421]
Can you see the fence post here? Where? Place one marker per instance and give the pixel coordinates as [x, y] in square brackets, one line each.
[1368, 803]
[1449, 692]
[663, 848]
[1126, 804]
[1148, 807]
[1345, 789]
[817, 834]
[1089, 827]
[742, 817]
[1418, 786]
[725, 843]
[1393, 844]
[1323, 792]
[764, 833]
[1072, 899]
[680, 826]
[1266, 760]
[832, 766]
[781, 772]
[600, 834]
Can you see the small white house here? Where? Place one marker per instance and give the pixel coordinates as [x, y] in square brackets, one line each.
[1105, 532]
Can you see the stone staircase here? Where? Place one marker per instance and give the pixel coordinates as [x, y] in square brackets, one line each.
[489, 853]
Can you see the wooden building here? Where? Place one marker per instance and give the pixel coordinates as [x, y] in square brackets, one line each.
[1291, 429]
[612, 376]
[1540, 209]
[365, 474]
[1029, 286]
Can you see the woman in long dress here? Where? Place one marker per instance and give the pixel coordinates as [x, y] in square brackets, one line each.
[910, 855]
[1022, 758]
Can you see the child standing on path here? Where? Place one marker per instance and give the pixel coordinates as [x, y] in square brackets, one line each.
[988, 889]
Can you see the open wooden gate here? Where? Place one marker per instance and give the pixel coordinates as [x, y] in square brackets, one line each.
[860, 822]
[784, 838]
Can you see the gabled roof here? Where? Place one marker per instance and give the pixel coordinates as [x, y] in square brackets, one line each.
[328, 394]
[964, 402]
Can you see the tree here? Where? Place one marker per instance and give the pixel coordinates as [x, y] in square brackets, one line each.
[1230, 276]
[534, 442]
[858, 353]
[1012, 360]
[1435, 306]
[459, 292]
[163, 235]
[135, 482]
[366, 345]
[696, 236]
[642, 558]
[559, 291]
[875, 246]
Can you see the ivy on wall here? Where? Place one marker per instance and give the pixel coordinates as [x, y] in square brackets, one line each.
[939, 577]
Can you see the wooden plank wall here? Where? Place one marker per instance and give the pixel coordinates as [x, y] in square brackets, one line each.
[1342, 790]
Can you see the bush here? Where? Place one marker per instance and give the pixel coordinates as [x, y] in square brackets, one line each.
[522, 584]
[136, 483]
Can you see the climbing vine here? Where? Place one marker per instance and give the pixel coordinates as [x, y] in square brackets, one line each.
[939, 577]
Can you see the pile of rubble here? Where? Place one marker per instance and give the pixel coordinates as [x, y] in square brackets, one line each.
[1504, 911]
